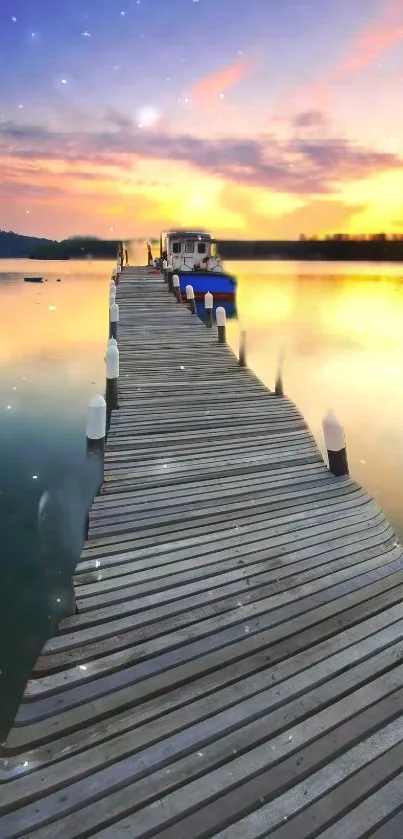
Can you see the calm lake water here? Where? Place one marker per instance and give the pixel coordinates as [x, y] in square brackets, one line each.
[339, 328]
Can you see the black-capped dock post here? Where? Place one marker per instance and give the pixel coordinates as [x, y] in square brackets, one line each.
[208, 306]
[112, 375]
[170, 272]
[176, 288]
[95, 442]
[335, 444]
[221, 319]
[96, 432]
[190, 297]
[113, 320]
[242, 349]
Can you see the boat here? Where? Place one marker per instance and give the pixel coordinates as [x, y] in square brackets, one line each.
[33, 280]
[191, 254]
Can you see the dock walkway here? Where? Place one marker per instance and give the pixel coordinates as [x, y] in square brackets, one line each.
[236, 667]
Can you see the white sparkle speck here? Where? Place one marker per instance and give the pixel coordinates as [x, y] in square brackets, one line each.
[34, 477]
[14, 19]
[82, 666]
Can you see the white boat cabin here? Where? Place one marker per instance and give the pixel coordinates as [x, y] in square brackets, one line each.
[191, 251]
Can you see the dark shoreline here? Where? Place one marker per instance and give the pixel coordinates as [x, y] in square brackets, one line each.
[331, 250]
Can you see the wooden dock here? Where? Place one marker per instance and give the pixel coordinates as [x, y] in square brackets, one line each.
[236, 667]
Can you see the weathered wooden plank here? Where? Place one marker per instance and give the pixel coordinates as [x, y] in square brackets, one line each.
[169, 809]
[263, 715]
[69, 687]
[172, 690]
[111, 546]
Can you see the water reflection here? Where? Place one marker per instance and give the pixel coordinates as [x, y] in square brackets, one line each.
[338, 328]
[51, 363]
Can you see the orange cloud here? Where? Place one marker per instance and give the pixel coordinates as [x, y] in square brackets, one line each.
[207, 92]
[374, 40]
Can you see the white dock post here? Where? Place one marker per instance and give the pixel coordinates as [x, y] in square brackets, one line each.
[190, 296]
[221, 319]
[208, 305]
[176, 288]
[335, 444]
[113, 320]
[112, 375]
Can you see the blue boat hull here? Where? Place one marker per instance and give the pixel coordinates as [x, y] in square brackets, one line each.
[222, 286]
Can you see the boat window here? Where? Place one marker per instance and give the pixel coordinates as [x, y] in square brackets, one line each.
[201, 247]
[190, 247]
[176, 247]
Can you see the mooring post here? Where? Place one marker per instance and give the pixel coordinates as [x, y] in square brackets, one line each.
[176, 287]
[170, 271]
[190, 296]
[113, 320]
[221, 319]
[112, 375]
[208, 305]
[96, 432]
[335, 444]
[164, 269]
[278, 385]
[242, 349]
[95, 442]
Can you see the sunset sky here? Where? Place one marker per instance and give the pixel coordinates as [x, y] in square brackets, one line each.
[251, 118]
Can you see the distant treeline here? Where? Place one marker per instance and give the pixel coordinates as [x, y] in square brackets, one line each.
[77, 248]
[14, 246]
[343, 250]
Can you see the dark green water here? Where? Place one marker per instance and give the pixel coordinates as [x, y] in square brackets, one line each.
[51, 363]
[339, 328]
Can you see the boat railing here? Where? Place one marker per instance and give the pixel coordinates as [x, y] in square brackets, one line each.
[180, 263]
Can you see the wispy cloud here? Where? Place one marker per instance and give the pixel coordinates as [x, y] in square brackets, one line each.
[209, 91]
[375, 39]
[302, 165]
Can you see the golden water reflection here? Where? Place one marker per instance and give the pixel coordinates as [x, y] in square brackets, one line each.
[339, 328]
